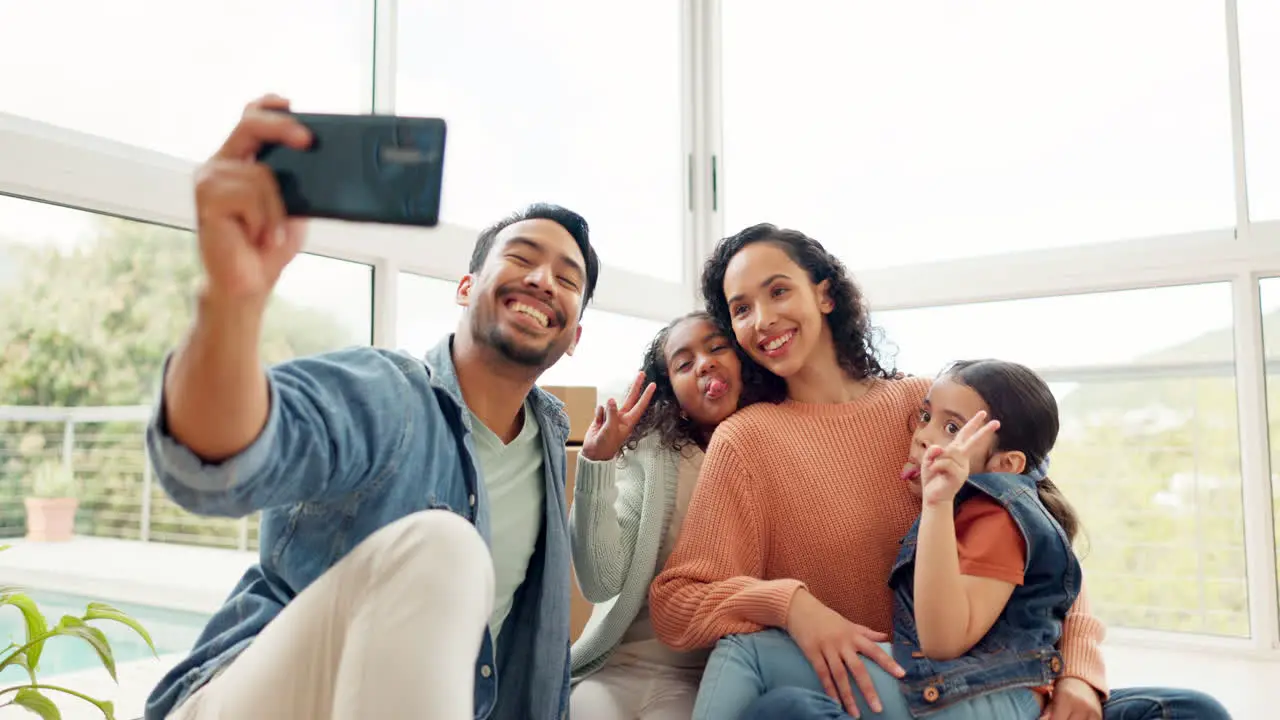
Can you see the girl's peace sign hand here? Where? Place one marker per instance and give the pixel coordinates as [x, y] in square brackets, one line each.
[944, 470]
[612, 424]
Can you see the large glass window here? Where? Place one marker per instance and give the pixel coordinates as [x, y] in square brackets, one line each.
[1259, 73]
[575, 102]
[607, 358]
[609, 355]
[1148, 450]
[91, 306]
[907, 132]
[174, 75]
[1270, 291]
[426, 311]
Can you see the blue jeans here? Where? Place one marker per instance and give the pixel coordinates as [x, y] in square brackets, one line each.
[743, 669]
[1147, 703]
[795, 703]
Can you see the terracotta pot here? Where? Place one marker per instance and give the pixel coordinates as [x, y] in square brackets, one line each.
[51, 519]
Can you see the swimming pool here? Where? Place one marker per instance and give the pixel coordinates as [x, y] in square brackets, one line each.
[171, 630]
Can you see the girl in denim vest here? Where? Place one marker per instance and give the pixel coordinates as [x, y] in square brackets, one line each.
[985, 577]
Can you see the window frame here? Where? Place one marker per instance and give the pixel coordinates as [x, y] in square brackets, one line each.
[1240, 255]
[53, 164]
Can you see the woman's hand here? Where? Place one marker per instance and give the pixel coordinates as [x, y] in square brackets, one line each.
[833, 646]
[611, 427]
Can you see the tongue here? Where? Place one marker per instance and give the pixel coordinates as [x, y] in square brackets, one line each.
[716, 388]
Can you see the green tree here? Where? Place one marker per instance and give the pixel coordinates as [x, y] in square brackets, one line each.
[1153, 467]
[91, 326]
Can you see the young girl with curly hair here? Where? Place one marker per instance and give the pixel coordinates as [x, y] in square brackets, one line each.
[636, 472]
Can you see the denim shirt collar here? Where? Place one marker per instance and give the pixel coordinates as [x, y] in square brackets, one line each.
[444, 374]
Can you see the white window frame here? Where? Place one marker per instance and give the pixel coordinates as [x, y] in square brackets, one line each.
[52, 164]
[1240, 255]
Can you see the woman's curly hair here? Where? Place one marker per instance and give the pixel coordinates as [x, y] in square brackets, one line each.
[664, 416]
[850, 320]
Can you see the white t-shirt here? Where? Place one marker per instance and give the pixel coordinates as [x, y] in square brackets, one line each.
[513, 476]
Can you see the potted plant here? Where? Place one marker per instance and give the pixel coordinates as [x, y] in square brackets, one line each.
[52, 503]
[35, 695]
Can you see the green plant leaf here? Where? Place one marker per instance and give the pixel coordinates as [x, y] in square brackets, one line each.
[74, 627]
[103, 611]
[36, 625]
[38, 704]
[21, 660]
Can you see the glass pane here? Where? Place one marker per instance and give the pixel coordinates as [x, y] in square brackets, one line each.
[1149, 449]
[575, 102]
[174, 76]
[92, 304]
[608, 357]
[900, 133]
[1259, 74]
[426, 311]
[1270, 291]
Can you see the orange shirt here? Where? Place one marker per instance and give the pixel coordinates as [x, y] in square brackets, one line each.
[989, 541]
[800, 495]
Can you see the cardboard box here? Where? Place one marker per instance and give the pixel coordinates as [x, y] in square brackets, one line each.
[579, 608]
[580, 403]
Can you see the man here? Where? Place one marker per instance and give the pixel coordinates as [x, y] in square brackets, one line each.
[414, 543]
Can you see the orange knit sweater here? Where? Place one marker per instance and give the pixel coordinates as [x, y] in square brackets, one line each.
[798, 495]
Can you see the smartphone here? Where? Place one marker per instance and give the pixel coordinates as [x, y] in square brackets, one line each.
[364, 168]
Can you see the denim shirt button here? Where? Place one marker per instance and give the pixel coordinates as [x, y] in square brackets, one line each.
[472, 499]
[485, 671]
[931, 694]
[1055, 665]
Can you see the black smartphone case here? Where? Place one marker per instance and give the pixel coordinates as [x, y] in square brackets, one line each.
[366, 168]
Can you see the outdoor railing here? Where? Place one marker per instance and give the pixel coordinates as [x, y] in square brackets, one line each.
[104, 448]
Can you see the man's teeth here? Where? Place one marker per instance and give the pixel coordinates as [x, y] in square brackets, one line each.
[532, 312]
[777, 342]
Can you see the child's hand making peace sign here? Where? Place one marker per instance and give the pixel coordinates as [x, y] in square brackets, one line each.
[944, 470]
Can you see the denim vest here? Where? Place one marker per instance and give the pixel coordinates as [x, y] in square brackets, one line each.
[1020, 648]
[355, 440]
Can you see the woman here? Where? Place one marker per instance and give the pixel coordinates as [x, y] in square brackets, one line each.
[797, 516]
[628, 512]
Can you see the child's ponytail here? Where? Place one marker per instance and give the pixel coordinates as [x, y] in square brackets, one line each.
[1055, 502]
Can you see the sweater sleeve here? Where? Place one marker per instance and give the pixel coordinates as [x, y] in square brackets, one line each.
[712, 585]
[1082, 635]
[605, 522]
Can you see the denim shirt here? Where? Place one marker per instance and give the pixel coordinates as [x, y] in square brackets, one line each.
[1020, 648]
[355, 440]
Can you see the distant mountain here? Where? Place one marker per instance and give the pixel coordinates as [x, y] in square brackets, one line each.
[1216, 346]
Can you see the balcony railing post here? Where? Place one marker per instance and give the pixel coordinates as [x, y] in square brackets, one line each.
[243, 542]
[68, 444]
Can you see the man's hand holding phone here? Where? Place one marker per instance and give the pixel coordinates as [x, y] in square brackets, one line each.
[245, 237]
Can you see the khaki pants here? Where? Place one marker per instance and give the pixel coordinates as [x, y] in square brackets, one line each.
[391, 631]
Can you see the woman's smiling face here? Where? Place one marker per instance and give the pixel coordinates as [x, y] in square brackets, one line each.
[778, 313]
